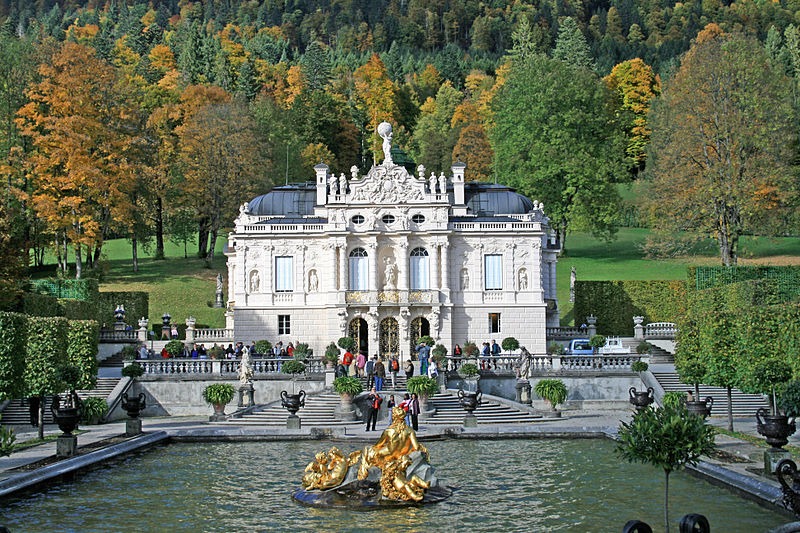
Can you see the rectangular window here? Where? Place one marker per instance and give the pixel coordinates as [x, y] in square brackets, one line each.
[284, 324]
[284, 274]
[493, 272]
[358, 273]
[420, 272]
[494, 322]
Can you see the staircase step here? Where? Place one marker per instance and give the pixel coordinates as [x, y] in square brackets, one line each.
[744, 405]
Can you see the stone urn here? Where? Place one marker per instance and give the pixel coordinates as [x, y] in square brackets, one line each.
[67, 416]
[293, 402]
[133, 405]
[469, 400]
[701, 407]
[641, 398]
[776, 428]
[789, 478]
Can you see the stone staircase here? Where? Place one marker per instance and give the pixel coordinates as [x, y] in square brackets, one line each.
[17, 411]
[318, 411]
[660, 356]
[387, 384]
[450, 412]
[744, 405]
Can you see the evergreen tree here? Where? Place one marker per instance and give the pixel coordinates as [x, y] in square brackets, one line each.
[571, 46]
[316, 66]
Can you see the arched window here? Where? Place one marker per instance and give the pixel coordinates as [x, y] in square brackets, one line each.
[358, 270]
[420, 269]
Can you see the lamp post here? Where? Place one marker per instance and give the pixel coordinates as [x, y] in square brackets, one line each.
[152, 335]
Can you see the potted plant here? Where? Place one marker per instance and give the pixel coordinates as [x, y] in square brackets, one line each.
[424, 387]
[643, 348]
[348, 387]
[597, 342]
[67, 413]
[218, 395]
[293, 402]
[639, 367]
[439, 353]
[693, 372]
[128, 353]
[347, 343]
[94, 409]
[216, 352]
[555, 348]
[426, 339]
[768, 377]
[470, 350]
[174, 348]
[674, 398]
[331, 355]
[553, 391]
[136, 404]
[665, 437]
[301, 351]
[509, 344]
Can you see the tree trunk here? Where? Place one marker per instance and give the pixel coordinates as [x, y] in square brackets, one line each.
[212, 243]
[666, 501]
[41, 417]
[135, 253]
[730, 409]
[65, 270]
[98, 251]
[78, 262]
[202, 238]
[159, 229]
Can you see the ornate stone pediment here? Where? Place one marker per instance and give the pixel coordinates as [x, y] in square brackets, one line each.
[387, 185]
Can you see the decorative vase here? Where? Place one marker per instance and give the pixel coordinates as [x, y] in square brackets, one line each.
[469, 400]
[776, 428]
[133, 405]
[67, 418]
[293, 402]
[701, 408]
[641, 399]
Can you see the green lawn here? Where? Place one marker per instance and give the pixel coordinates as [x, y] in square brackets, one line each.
[182, 286]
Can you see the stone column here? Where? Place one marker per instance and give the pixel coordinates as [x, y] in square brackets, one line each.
[334, 269]
[342, 247]
[638, 328]
[141, 333]
[402, 266]
[190, 323]
[373, 266]
[592, 321]
[445, 267]
[435, 267]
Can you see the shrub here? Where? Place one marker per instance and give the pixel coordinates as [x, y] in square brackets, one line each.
[674, 398]
[82, 339]
[293, 367]
[426, 339]
[263, 347]
[552, 390]
[438, 353]
[45, 354]
[93, 410]
[216, 352]
[597, 341]
[470, 349]
[219, 393]
[555, 348]
[174, 348]
[12, 355]
[643, 348]
[510, 344]
[7, 439]
[133, 371]
[422, 385]
[639, 366]
[789, 402]
[332, 353]
[348, 385]
[129, 353]
[468, 370]
[301, 351]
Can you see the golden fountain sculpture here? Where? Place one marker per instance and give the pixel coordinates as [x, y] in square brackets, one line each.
[394, 469]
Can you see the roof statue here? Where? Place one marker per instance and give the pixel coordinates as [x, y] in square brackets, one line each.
[385, 131]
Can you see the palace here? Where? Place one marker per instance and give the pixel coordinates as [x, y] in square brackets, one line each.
[390, 256]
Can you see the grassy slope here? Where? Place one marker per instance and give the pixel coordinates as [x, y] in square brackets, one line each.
[184, 287]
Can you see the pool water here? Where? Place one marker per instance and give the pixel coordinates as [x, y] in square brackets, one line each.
[500, 485]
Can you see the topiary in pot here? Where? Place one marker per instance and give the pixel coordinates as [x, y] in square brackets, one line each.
[346, 343]
[555, 348]
[639, 367]
[293, 367]
[128, 353]
[673, 398]
[643, 348]
[7, 439]
[768, 377]
[692, 372]
[554, 391]
[468, 370]
[332, 354]
[426, 339]
[348, 385]
[509, 344]
[301, 351]
[216, 352]
[439, 353]
[133, 370]
[174, 348]
[219, 395]
[789, 400]
[263, 348]
[597, 342]
[470, 350]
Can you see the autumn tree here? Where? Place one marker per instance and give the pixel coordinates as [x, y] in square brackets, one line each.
[635, 85]
[556, 140]
[722, 137]
[222, 161]
[79, 130]
[432, 136]
[375, 98]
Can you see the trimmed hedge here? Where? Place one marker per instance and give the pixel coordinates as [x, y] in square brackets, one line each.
[12, 355]
[35, 304]
[615, 303]
[136, 303]
[74, 289]
[45, 354]
[82, 339]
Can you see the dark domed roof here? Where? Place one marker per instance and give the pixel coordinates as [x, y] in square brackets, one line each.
[284, 201]
[493, 199]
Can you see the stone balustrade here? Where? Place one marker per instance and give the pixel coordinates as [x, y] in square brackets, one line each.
[566, 333]
[660, 330]
[220, 367]
[506, 364]
[108, 335]
[213, 335]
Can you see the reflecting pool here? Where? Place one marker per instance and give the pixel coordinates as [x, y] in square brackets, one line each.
[501, 485]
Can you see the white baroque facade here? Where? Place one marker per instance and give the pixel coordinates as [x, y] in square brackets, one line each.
[389, 256]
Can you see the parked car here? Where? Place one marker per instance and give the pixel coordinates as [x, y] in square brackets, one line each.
[580, 347]
[613, 346]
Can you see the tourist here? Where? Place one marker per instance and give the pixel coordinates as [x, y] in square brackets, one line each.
[409, 369]
[457, 351]
[252, 351]
[230, 353]
[353, 368]
[237, 352]
[361, 361]
[423, 354]
[347, 360]
[174, 331]
[380, 373]
[394, 367]
[194, 354]
[164, 353]
[495, 348]
[433, 371]
[142, 352]
[406, 405]
[290, 350]
[413, 411]
[485, 352]
[389, 406]
[202, 351]
[369, 368]
[374, 401]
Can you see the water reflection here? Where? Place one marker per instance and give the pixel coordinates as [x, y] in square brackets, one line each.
[504, 485]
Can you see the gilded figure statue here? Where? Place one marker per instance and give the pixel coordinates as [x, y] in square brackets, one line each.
[328, 469]
[397, 441]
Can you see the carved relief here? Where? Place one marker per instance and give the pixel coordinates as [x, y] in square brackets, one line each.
[390, 185]
[313, 281]
[255, 282]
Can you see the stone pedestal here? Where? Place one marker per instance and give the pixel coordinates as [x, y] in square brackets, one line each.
[133, 427]
[246, 395]
[523, 388]
[66, 445]
[470, 421]
[772, 457]
[293, 422]
[218, 303]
